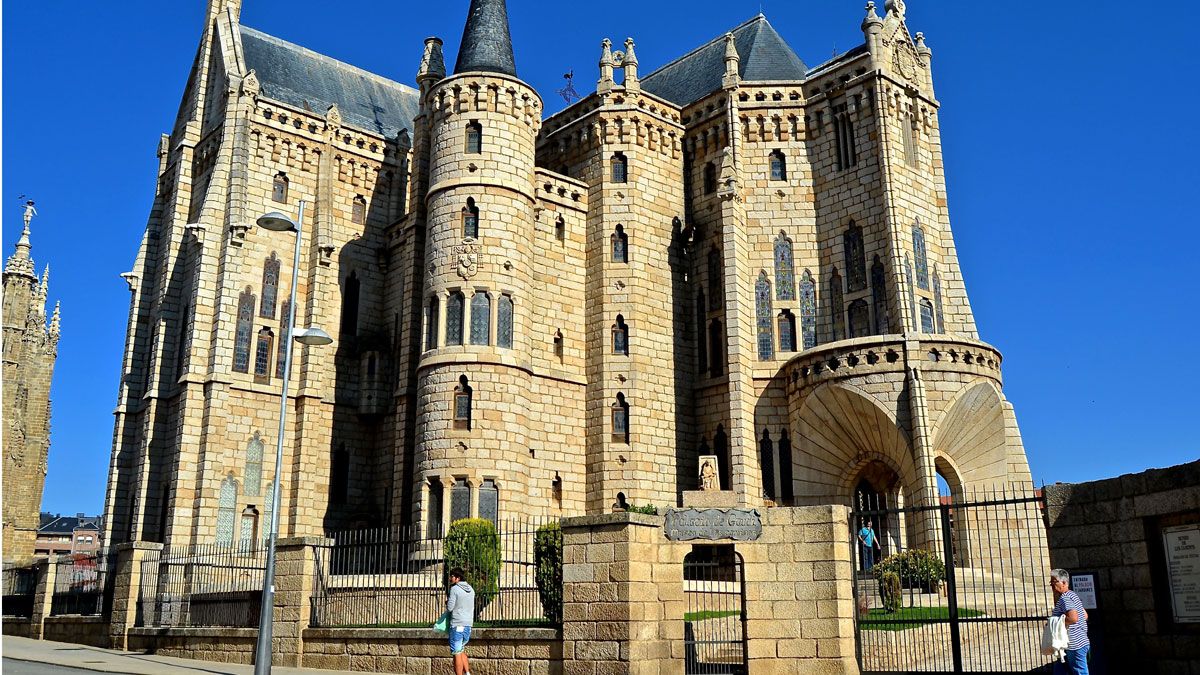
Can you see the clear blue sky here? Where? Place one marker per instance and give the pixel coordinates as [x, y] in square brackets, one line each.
[1069, 146]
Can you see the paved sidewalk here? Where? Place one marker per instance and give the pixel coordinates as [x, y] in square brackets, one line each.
[130, 663]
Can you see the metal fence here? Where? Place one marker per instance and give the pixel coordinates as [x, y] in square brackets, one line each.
[714, 625]
[203, 585]
[971, 595]
[20, 584]
[394, 577]
[83, 584]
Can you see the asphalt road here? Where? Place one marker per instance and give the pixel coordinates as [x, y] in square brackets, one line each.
[12, 667]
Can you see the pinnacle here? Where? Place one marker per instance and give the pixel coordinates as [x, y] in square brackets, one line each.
[486, 43]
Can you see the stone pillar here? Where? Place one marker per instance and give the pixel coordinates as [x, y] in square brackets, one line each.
[42, 596]
[295, 569]
[127, 586]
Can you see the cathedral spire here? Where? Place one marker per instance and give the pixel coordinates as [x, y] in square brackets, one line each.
[21, 262]
[56, 322]
[486, 43]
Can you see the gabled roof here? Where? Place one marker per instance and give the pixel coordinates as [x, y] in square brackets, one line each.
[56, 524]
[764, 57]
[303, 78]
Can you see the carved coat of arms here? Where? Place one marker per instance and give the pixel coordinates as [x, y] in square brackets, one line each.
[466, 258]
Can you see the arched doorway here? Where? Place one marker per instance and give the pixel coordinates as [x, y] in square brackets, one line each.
[876, 491]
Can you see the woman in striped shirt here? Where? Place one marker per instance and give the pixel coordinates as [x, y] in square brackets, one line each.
[1067, 604]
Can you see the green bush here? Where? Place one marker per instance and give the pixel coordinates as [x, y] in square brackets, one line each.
[917, 568]
[474, 545]
[548, 562]
[889, 588]
[649, 509]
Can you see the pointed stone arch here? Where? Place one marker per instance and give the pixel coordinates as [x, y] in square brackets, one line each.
[970, 435]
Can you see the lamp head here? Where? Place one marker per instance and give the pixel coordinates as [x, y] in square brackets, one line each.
[312, 336]
[277, 222]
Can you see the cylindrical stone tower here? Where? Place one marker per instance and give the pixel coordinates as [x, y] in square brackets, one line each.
[473, 384]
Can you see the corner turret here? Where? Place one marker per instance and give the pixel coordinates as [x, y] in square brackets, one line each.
[486, 44]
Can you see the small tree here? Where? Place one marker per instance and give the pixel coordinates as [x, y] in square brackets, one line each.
[547, 557]
[474, 545]
[889, 588]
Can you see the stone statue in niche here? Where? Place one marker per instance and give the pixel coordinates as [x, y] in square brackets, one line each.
[710, 480]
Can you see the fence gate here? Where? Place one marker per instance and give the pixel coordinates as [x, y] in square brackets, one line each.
[988, 613]
[714, 625]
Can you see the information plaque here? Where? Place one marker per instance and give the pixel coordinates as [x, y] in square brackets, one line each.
[713, 524]
[1182, 548]
[1084, 586]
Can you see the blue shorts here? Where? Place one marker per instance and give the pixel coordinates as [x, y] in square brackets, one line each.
[459, 636]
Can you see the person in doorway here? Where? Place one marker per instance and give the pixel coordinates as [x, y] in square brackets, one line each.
[1067, 604]
[868, 543]
[461, 608]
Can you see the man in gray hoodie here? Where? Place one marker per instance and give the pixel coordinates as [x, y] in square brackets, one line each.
[461, 608]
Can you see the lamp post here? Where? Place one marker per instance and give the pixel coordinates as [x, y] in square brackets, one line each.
[278, 222]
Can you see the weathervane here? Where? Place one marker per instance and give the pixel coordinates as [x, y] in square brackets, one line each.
[568, 92]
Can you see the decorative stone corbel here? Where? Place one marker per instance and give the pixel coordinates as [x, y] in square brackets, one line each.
[325, 250]
[250, 85]
[196, 232]
[333, 118]
[237, 234]
[730, 188]
[132, 279]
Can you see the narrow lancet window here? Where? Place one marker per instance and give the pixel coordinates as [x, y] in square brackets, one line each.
[919, 254]
[245, 326]
[462, 404]
[470, 219]
[474, 137]
[860, 319]
[620, 337]
[620, 420]
[785, 269]
[279, 188]
[270, 288]
[879, 296]
[787, 331]
[778, 166]
[836, 307]
[856, 258]
[620, 168]
[455, 308]
[763, 315]
[504, 322]
[620, 245]
[481, 318]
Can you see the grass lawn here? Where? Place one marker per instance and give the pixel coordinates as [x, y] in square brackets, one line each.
[915, 617]
[710, 614]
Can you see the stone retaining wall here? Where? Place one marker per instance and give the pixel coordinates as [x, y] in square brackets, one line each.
[19, 626]
[417, 651]
[225, 645]
[82, 630]
[1114, 528]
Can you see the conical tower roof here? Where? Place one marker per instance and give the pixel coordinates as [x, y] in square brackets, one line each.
[486, 43]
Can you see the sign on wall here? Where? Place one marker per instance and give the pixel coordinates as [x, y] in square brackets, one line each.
[1182, 547]
[713, 524]
[1084, 586]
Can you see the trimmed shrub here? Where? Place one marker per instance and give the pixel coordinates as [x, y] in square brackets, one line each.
[889, 588]
[917, 568]
[474, 545]
[648, 509]
[547, 558]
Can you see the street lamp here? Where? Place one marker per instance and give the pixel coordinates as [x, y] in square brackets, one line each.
[311, 336]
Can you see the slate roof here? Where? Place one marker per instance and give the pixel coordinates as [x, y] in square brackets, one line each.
[765, 57]
[300, 77]
[486, 44]
[52, 523]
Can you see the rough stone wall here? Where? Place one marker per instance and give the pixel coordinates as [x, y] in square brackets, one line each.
[1113, 528]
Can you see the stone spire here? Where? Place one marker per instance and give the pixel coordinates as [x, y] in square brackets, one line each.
[20, 261]
[433, 63]
[606, 66]
[44, 287]
[56, 323]
[732, 59]
[486, 43]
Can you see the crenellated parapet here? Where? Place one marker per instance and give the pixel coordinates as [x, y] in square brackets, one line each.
[492, 94]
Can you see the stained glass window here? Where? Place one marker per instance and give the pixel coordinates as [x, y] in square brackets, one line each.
[262, 353]
[787, 331]
[433, 509]
[716, 353]
[620, 420]
[714, 279]
[254, 465]
[785, 269]
[766, 462]
[808, 310]
[455, 308]
[918, 235]
[431, 324]
[927, 324]
[620, 168]
[763, 314]
[226, 507]
[460, 500]
[339, 475]
[860, 319]
[481, 318]
[504, 322]
[270, 287]
[879, 296]
[856, 258]
[245, 326]
[279, 189]
[268, 504]
[937, 301]
[474, 137]
[701, 332]
[285, 332]
[249, 526]
[489, 500]
[847, 151]
[620, 336]
[778, 166]
[470, 217]
[912, 292]
[184, 344]
[620, 245]
[837, 308]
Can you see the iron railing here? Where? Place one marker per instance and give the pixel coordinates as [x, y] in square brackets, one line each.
[83, 583]
[395, 577]
[20, 585]
[983, 606]
[714, 624]
[203, 585]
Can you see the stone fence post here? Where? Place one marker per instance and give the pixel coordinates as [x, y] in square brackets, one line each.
[43, 595]
[296, 564]
[127, 586]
